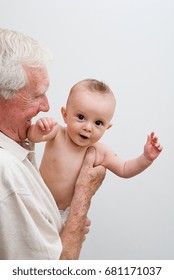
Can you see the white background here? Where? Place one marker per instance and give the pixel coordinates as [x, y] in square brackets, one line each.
[128, 44]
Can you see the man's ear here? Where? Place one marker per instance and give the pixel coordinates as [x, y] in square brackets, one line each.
[64, 114]
[109, 125]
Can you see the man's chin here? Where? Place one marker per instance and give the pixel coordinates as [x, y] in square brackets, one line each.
[23, 134]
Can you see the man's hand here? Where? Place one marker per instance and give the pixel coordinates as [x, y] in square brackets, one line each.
[86, 228]
[77, 224]
[152, 148]
[90, 177]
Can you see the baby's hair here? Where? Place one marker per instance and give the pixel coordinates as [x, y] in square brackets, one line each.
[96, 85]
[92, 85]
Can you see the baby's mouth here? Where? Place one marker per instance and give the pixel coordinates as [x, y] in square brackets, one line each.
[83, 136]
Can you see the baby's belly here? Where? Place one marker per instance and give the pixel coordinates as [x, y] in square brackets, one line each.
[61, 184]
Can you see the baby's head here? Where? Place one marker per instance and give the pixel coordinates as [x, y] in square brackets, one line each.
[89, 110]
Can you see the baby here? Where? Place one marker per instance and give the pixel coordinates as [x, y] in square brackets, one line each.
[88, 113]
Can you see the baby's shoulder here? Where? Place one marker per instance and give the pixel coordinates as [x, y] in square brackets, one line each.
[59, 133]
[102, 153]
[101, 148]
[56, 140]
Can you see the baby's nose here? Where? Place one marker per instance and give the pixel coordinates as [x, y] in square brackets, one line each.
[88, 127]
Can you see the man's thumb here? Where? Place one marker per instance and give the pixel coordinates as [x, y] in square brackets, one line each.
[89, 157]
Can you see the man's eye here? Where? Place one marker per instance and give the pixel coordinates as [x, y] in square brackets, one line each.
[36, 96]
[80, 117]
[39, 95]
[98, 123]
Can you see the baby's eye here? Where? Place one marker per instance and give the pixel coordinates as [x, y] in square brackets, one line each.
[80, 117]
[98, 123]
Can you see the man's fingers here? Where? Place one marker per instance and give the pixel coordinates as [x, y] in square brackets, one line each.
[87, 226]
[88, 222]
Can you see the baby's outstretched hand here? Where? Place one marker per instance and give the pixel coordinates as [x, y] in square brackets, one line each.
[152, 148]
[46, 124]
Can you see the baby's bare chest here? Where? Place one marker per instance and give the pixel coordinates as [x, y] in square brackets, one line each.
[65, 161]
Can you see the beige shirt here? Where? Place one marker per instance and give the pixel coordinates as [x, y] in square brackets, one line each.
[30, 222]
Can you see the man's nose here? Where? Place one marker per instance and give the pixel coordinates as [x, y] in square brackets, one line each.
[44, 106]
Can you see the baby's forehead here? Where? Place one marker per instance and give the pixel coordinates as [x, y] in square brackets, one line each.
[95, 105]
[80, 91]
[97, 98]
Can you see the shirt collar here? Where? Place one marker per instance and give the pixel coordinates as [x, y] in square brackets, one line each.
[13, 147]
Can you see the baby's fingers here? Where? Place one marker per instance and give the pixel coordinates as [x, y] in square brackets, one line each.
[153, 138]
[46, 123]
[158, 146]
[50, 122]
[41, 124]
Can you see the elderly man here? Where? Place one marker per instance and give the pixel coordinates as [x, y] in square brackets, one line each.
[30, 222]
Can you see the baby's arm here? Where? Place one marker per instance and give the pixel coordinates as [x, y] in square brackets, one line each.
[44, 129]
[130, 168]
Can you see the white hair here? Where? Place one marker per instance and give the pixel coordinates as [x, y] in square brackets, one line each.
[17, 51]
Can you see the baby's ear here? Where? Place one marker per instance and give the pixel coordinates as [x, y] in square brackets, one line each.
[64, 114]
[109, 125]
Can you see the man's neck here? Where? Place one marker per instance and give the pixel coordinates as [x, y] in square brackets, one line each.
[8, 133]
